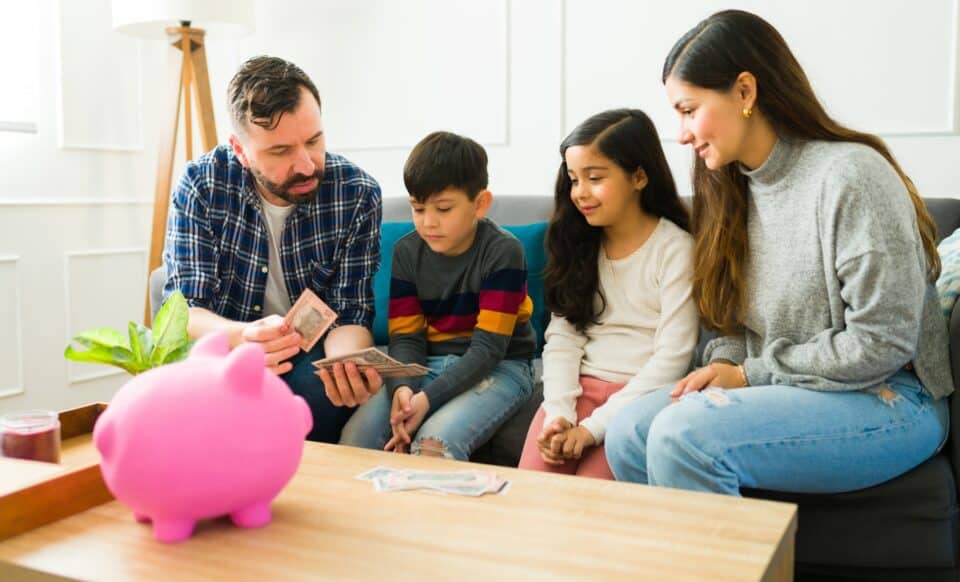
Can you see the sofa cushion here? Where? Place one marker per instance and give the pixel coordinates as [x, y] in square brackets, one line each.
[907, 522]
[530, 236]
[390, 233]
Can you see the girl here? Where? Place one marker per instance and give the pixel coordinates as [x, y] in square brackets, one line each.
[618, 284]
[814, 259]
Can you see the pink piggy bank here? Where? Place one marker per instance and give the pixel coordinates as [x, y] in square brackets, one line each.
[215, 434]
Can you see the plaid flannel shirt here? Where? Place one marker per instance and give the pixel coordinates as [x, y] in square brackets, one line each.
[217, 240]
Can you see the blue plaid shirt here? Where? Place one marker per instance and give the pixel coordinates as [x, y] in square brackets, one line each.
[217, 240]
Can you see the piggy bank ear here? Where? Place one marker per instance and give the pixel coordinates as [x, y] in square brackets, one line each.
[245, 369]
[213, 344]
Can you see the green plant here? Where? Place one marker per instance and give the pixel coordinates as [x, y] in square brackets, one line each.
[142, 348]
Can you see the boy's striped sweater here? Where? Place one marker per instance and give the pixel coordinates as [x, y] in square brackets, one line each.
[473, 305]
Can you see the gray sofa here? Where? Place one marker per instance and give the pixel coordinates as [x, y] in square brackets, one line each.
[905, 529]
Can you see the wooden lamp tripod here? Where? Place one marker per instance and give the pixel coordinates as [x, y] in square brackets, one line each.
[193, 82]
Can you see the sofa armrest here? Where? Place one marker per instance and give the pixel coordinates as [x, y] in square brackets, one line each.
[953, 443]
[158, 279]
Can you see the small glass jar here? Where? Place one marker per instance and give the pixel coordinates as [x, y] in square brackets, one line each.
[31, 434]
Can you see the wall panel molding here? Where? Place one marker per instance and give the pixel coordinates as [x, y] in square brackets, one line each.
[99, 81]
[18, 352]
[389, 73]
[18, 126]
[74, 202]
[949, 127]
[75, 376]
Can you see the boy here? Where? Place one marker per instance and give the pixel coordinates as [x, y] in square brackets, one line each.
[459, 305]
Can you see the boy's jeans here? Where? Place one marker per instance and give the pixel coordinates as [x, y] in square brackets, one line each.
[781, 438]
[462, 424]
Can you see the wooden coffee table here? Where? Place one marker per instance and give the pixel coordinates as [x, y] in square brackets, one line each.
[329, 525]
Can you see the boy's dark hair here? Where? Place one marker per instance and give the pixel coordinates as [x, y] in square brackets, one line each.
[264, 89]
[445, 160]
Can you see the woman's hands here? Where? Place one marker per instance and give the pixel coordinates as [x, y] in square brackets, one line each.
[716, 374]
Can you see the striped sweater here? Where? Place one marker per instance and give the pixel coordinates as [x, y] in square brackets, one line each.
[474, 305]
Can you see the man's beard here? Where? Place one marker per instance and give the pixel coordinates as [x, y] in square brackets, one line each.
[282, 191]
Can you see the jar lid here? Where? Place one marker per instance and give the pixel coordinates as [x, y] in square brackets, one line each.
[29, 420]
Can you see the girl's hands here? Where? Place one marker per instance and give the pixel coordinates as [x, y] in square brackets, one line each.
[560, 441]
[576, 440]
[554, 431]
[716, 374]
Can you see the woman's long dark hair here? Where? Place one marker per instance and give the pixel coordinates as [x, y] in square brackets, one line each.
[629, 139]
[712, 55]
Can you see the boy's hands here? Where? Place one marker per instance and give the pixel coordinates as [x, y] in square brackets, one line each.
[407, 412]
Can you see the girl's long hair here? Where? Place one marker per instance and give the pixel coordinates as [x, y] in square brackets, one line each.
[712, 55]
[629, 139]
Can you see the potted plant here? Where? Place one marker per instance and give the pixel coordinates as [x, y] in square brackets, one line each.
[141, 348]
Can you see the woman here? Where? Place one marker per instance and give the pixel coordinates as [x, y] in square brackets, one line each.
[814, 258]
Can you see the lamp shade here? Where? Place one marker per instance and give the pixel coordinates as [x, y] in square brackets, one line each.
[150, 18]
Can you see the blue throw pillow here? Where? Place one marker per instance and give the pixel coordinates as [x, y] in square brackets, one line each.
[390, 233]
[530, 236]
[948, 285]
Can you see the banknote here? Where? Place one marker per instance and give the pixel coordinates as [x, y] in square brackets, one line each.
[471, 483]
[310, 317]
[386, 366]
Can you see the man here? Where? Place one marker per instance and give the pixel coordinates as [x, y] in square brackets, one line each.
[254, 223]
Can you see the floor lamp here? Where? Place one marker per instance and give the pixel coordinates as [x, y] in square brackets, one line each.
[185, 24]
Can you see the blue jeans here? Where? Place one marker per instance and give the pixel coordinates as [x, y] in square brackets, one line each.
[328, 420]
[462, 424]
[780, 438]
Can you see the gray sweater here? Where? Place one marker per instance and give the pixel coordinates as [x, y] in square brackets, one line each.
[836, 279]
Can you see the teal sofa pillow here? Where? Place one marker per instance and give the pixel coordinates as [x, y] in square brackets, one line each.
[948, 285]
[530, 236]
[390, 233]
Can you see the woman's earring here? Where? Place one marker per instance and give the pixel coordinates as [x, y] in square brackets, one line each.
[747, 113]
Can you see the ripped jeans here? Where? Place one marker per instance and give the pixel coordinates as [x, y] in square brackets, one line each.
[780, 438]
[462, 424]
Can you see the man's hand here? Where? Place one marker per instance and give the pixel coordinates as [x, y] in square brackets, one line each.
[406, 415]
[346, 386]
[545, 442]
[716, 374]
[279, 341]
[575, 441]
[343, 383]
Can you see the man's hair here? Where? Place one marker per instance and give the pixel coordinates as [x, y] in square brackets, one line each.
[264, 89]
[445, 160]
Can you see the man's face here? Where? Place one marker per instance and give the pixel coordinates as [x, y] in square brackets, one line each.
[288, 160]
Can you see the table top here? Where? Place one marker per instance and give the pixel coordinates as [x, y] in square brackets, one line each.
[328, 524]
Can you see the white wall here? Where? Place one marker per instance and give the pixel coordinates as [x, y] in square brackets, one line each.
[80, 112]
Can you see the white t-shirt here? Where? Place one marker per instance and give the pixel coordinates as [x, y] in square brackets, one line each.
[646, 335]
[276, 300]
